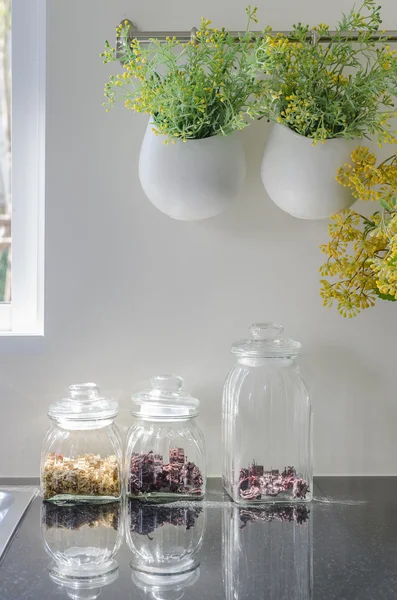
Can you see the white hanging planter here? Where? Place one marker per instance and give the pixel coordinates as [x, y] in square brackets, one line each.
[300, 177]
[192, 180]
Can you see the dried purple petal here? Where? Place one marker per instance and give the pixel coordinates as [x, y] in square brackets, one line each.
[149, 474]
[300, 488]
[255, 482]
[253, 493]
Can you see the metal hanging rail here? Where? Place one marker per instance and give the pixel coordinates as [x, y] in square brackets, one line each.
[144, 37]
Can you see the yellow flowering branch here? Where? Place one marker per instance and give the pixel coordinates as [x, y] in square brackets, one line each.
[362, 251]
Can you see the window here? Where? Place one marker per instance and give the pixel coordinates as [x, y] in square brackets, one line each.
[5, 151]
[22, 161]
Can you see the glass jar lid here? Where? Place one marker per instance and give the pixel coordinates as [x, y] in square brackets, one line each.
[166, 398]
[84, 403]
[266, 342]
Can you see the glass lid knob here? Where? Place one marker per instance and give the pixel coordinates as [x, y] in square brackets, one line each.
[83, 391]
[167, 383]
[266, 331]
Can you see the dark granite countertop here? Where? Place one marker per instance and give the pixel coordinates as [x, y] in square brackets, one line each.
[343, 546]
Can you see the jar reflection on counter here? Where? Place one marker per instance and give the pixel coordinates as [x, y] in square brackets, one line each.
[82, 451]
[82, 538]
[165, 587]
[81, 587]
[268, 548]
[165, 538]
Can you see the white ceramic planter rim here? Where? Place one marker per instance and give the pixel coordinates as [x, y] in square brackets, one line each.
[311, 140]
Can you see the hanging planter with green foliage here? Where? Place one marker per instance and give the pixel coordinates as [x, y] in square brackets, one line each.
[197, 94]
[334, 93]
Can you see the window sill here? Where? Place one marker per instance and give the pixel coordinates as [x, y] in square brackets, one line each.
[19, 334]
[14, 323]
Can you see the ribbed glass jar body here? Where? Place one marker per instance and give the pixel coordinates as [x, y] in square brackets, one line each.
[267, 432]
[165, 459]
[82, 462]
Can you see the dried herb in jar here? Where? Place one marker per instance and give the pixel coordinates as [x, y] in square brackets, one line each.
[255, 482]
[149, 474]
[86, 475]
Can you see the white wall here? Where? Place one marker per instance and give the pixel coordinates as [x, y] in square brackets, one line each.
[131, 293]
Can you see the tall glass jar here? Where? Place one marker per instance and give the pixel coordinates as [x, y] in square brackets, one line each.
[165, 455]
[267, 421]
[81, 459]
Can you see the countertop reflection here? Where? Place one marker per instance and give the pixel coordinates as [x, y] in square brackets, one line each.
[342, 546]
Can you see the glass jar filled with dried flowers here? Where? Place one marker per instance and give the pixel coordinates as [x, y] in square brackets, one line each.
[165, 454]
[267, 421]
[81, 459]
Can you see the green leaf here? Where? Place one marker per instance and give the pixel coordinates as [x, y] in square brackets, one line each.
[393, 201]
[385, 205]
[388, 297]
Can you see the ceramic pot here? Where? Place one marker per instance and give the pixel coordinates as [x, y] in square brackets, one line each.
[300, 177]
[192, 180]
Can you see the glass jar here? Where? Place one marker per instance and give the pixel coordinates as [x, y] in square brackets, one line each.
[165, 455]
[267, 421]
[81, 459]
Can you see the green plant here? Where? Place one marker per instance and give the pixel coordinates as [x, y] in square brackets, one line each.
[192, 91]
[338, 89]
[362, 251]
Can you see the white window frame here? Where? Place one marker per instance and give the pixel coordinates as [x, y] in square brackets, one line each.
[25, 314]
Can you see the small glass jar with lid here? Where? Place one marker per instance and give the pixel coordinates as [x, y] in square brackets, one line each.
[165, 456]
[267, 421]
[81, 459]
